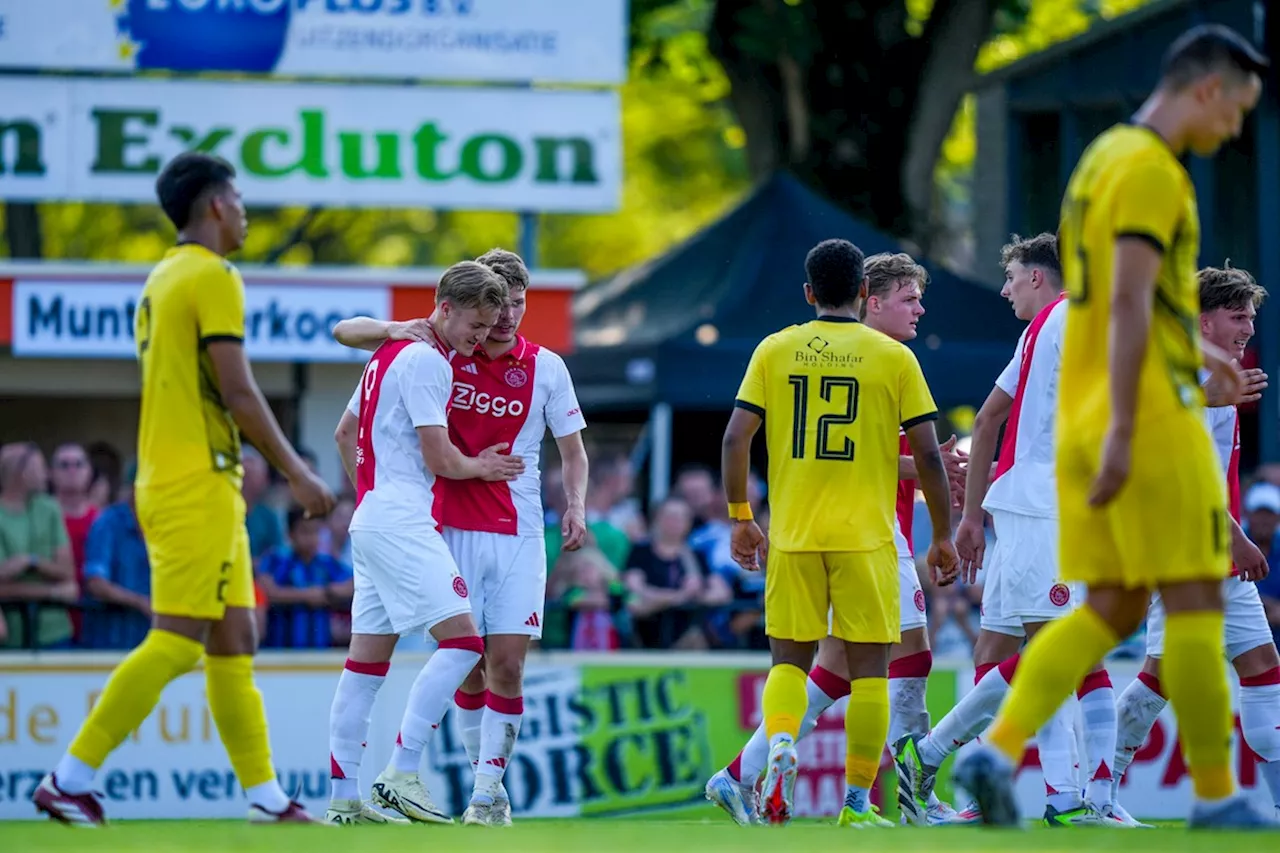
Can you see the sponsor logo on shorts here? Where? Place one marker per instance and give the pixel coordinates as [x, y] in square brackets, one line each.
[1059, 595]
[919, 599]
[516, 377]
[460, 587]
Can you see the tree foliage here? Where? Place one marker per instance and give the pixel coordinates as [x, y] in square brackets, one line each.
[864, 99]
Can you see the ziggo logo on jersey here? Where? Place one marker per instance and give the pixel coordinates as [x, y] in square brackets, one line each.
[467, 398]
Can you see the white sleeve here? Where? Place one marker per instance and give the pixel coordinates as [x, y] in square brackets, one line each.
[425, 384]
[563, 414]
[1007, 381]
[353, 405]
[1222, 429]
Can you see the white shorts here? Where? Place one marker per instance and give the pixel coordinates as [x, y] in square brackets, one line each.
[405, 581]
[1246, 621]
[507, 576]
[1025, 566]
[911, 610]
[992, 616]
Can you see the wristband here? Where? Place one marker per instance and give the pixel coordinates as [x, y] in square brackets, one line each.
[741, 511]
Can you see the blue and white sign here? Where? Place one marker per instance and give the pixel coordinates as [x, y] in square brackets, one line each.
[83, 319]
[567, 41]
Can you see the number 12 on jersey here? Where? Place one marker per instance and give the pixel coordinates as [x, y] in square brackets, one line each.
[842, 388]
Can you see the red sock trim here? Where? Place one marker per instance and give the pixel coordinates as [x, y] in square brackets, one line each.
[467, 644]
[1103, 772]
[362, 668]
[735, 768]
[829, 683]
[469, 701]
[1008, 667]
[335, 772]
[1152, 683]
[1093, 681]
[513, 705]
[1262, 679]
[980, 670]
[917, 665]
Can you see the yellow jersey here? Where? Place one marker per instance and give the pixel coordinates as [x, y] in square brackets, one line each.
[1128, 183]
[833, 395]
[192, 298]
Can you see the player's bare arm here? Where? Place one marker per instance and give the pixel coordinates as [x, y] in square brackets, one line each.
[574, 468]
[243, 398]
[444, 459]
[1137, 263]
[1246, 556]
[971, 540]
[1217, 391]
[1226, 377]
[345, 436]
[367, 333]
[923, 438]
[748, 544]
[955, 460]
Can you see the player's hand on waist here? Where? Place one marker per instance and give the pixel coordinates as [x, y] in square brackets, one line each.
[498, 466]
[311, 493]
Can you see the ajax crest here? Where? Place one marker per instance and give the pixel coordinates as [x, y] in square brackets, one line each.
[516, 377]
[1059, 595]
[460, 587]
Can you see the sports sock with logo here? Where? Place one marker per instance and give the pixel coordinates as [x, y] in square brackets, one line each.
[129, 696]
[1098, 710]
[236, 705]
[1194, 674]
[429, 698]
[498, 733]
[1055, 742]
[1137, 708]
[1053, 665]
[349, 715]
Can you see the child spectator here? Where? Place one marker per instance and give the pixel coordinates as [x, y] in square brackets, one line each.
[301, 585]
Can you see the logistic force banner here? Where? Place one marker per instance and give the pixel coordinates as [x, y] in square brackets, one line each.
[599, 738]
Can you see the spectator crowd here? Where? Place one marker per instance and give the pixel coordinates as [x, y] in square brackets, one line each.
[74, 571]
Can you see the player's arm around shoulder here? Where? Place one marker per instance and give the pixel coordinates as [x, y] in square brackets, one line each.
[368, 333]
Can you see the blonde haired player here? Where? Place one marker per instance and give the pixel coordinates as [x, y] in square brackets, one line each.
[1131, 522]
[835, 394]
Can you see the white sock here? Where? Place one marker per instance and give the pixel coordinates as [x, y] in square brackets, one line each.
[755, 754]
[73, 775]
[1260, 723]
[968, 719]
[470, 710]
[498, 733]
[907, 712]
[1054, 741]
[349, 715]
[268, 796]
[429, 698]
[1098, 708]
[1137, 708]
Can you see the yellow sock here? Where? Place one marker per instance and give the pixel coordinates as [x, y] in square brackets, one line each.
[785, 700]
[866, 727]
[238, 711]
[1194, 675]
[131, 693]
[1051, 668]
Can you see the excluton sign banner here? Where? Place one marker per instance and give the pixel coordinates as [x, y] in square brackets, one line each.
[81, 319]
[568, 41]
[337, 146]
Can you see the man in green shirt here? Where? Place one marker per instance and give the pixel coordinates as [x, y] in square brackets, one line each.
[35, 554]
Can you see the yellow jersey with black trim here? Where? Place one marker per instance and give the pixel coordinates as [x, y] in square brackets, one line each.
[192, 298]
[1129, 184]
[833, 394]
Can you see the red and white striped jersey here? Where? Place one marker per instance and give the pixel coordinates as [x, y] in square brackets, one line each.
[405, 385]
[1026, 482]
[515, 399]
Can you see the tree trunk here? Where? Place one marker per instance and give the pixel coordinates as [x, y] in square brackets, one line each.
[22, 230]
[876, 102]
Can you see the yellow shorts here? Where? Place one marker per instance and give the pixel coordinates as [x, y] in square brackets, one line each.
[198, 546]
[1167, 525]
[859, 587]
